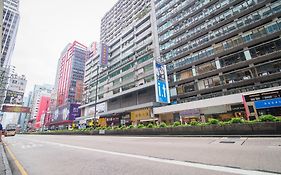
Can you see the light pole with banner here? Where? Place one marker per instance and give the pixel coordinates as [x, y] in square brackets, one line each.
[103, 62]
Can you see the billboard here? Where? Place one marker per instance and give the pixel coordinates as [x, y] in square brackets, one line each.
[90, 111]
[19, 109]
[74, 111]
[13, 97]
[78, 90]
[103, 59]
[161, 83]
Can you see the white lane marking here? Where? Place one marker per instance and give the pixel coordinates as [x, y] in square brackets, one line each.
[174, 162]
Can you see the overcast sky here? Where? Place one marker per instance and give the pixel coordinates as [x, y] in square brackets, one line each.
[46, 27]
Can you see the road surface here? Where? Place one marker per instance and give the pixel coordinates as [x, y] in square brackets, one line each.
[102, 155]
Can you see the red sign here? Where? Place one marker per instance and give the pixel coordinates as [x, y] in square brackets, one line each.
[19, 109]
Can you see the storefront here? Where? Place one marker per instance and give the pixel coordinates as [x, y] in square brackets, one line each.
[140, 114]
[262, 103]
[190, 115]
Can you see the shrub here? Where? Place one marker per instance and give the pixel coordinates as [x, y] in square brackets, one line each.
[177, 123]
[267, 118]
[163, 125]
[150, 125]
[194, 123]
[213, 121]
[123, 127]
[277, 119]
[236, 120]
[115, 127]
[203, 124]
[251, 121]
[130, 126]
[140, 126]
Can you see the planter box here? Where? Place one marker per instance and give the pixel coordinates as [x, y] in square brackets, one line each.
[231, 129]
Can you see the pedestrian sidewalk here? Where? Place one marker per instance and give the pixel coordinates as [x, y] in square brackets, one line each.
[4, 165]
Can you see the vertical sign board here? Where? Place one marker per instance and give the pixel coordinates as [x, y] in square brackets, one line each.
[103, 59]
[161, 83]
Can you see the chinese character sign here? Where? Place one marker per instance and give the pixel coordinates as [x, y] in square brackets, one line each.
[103, 60]
[161, 83]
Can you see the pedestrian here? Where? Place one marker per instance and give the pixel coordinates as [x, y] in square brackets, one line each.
[1, 130]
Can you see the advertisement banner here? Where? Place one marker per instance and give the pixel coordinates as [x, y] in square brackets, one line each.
[161, 83]
[13, 97]
[74, 112]
[103, 59]
[19, 109]
[78, 90]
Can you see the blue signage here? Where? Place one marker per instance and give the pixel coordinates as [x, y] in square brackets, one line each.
[162, 92]
[271, 103]
[161, 83]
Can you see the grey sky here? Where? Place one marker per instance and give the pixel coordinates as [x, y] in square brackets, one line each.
[46, 27]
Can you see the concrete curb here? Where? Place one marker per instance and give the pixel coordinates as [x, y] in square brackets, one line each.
[5, 160]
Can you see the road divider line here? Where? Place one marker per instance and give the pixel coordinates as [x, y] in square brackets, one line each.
[163, 160]
[17, 163]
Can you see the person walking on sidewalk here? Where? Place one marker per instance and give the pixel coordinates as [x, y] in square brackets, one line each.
[1, 130]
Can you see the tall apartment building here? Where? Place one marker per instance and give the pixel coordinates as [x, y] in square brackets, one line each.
[217, 51]
[10, 27]
[69, 84]
[126, 87]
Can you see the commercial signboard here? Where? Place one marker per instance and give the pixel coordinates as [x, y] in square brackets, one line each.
[74, 112]
[271, 103]
[13, 97]
[69, 112]
[90, 111]
[161, 83]
[19, 109]
[103, 59]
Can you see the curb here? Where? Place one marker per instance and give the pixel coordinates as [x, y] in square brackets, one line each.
[5, 160]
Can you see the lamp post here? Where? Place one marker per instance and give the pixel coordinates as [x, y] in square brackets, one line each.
[96, 95]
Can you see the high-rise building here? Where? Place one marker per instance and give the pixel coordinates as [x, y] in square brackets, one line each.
[10, 27]
[14, 97]
[125, 87]
[42, 111]
[24, 117]
[69, 84]
[38, 92]
[218, 51]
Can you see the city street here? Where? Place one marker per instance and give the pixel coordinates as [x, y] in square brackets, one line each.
[101, 155]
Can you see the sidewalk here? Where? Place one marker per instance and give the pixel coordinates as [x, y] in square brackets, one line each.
[4, 165]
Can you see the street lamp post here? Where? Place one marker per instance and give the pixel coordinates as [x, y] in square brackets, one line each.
[96, 95]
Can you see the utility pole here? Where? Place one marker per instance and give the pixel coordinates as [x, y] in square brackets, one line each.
[96, 95]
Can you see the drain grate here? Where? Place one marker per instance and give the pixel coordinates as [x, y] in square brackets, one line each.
[227, 141]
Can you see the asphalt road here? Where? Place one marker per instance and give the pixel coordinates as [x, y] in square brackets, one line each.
[102, 155]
